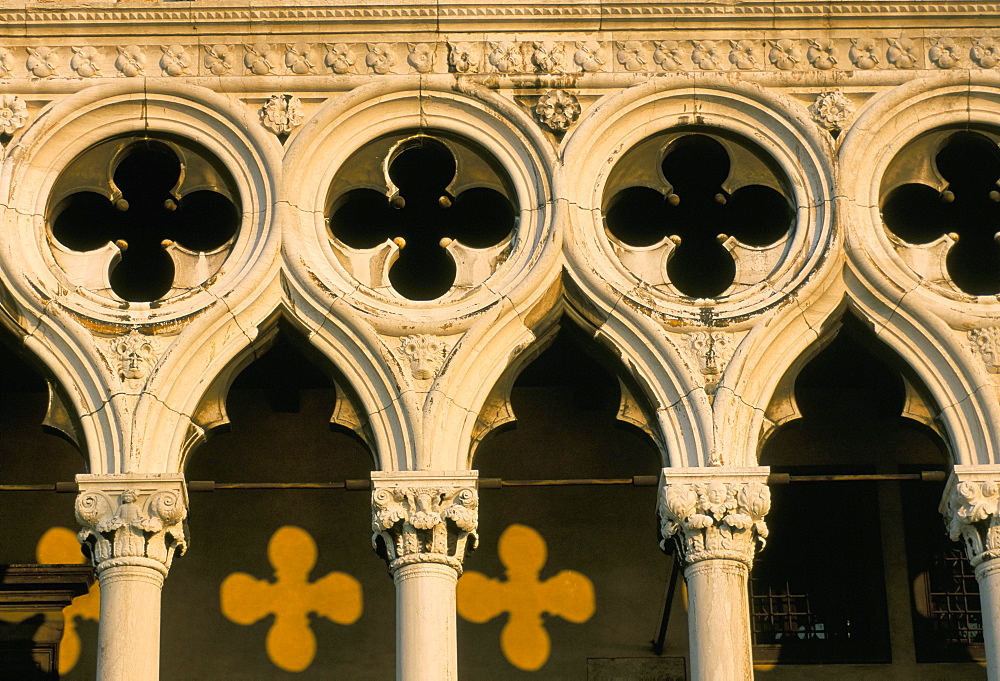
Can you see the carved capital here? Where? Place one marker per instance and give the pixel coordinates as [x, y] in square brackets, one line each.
[132, 519]
[969, 507]
[425, 518]
[714, 512]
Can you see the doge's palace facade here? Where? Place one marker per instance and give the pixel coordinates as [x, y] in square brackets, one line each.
[423, 191]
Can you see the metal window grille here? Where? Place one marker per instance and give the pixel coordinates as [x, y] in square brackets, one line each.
[779, 614]
[955, 611]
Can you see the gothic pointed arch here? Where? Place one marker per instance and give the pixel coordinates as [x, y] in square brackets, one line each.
[412, 152]
[943, 324]
[112, 352]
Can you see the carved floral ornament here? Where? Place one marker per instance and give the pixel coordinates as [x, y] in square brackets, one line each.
[425, 524]
[13, 114]
[832, 110]
[715, 519]
[281, 113]
[986, 343]
[557, 110]
[132, 522]
[506, 55]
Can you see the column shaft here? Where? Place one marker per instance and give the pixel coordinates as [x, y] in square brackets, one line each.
[425, 522]
[716, 517]
[988, 574]
[426, 645]
[129, 637]
[719, 621]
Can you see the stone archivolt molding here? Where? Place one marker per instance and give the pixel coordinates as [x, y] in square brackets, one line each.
[970, 509]
[714, 513]
[132, 520]
[425, 519]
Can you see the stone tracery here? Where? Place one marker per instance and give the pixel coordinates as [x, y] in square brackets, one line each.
[708, 205]
[637, 335]
[169, 220]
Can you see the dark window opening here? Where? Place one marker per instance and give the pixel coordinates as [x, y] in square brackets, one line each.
[947, 614]
[859, 572]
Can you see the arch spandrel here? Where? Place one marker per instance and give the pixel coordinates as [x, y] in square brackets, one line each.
[131, 370]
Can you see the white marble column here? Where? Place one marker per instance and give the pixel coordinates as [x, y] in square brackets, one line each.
[716, 517]
[426, 522]
[132, 525]
[969, 506]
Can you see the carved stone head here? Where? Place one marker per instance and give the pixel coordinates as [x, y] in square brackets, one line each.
[426, 354]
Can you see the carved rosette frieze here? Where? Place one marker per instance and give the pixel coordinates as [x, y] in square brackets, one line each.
[129, 520]
[513, 55]
[714, 513]
[424, 520]
[970, 509]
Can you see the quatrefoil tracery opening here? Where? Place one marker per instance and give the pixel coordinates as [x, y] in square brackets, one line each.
[941, 197]
[694, 204]
[430, 212]
[145, 217]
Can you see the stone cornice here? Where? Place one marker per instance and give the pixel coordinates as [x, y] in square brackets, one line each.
[207, 18]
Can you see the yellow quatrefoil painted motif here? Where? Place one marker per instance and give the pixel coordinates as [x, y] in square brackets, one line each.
[59, 546]
[524, 641]
[291, 644]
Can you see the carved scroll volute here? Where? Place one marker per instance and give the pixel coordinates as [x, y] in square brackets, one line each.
[715, 515]
[130, 521]
[970, 506]
[433, 524]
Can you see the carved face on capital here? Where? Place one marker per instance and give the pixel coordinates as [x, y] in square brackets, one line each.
[716, 493]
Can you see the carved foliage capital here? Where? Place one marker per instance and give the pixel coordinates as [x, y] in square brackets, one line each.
[969, 507]
[715, 515]
[425, 524]
[130, 520]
